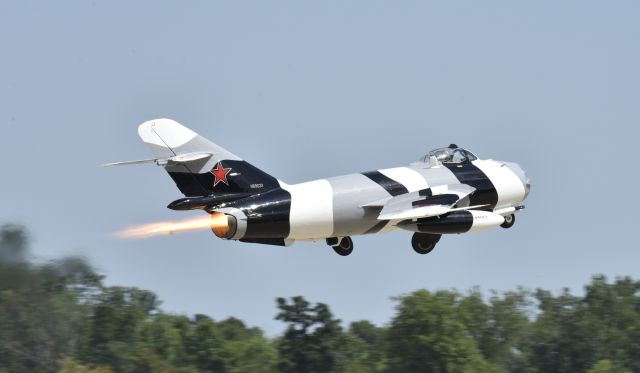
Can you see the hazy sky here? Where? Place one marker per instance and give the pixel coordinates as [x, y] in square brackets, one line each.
[313, 89]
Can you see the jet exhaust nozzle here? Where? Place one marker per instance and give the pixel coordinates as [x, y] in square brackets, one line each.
[223, 225]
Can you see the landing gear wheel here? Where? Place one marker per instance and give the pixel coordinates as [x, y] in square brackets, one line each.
[424, 243]
[344, 247]
[509, 221]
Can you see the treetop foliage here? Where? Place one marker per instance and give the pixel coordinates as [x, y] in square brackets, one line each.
[60, 317]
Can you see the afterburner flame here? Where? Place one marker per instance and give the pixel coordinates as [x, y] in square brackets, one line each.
[220, 224]
[172, 227]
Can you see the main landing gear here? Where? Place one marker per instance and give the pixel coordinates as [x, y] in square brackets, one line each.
[424, 243]
[509, 221]
[343, 246]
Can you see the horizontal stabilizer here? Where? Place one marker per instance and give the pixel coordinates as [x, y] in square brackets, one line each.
[127, 163]
[180, 158]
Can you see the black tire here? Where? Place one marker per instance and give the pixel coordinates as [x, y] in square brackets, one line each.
[345, 247]
[424, 243]
[342, 252]
[332, 241]
[509, 221]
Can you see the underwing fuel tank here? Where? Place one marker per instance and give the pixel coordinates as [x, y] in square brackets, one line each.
[454, 222]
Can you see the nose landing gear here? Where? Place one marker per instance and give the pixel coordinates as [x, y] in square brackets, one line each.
[424, 243]
[343, 246]
[509, 221]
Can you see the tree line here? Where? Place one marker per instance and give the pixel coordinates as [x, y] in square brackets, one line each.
[60, 317]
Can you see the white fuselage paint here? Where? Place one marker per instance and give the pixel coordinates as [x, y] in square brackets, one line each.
[508, 186]
[410, 178]
[311, 214]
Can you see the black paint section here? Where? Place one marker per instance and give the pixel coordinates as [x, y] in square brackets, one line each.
[265, 241]
[332, 241]
[267, 214]
[393, 187]
[195, 203]
[246, 176]
[425, 192]
[453, 222]
[188, 184]
[468, 173]
[440, 199]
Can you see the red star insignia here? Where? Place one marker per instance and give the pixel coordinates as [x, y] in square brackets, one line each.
[220, 174]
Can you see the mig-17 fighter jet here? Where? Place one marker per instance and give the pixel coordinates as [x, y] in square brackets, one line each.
[447, 191]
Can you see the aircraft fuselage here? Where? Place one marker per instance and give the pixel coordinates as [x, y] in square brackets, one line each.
[337, 206]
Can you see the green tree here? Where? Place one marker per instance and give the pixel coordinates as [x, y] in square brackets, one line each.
[233, 329]
[253, 354]
[312, 340]
[118, 315]
[602, 366]
[611, 317]
[69, 365]
[499, 327]
[58, 317]
[557, 343]
[13, 244]
[573, 333]
[606, 366]
[245, 349]
[42, 317]
[206, 345]
[162, 335]
[145, 360]
[428, 335]
[367, 347]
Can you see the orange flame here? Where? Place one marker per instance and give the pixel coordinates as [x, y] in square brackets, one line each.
[172, 227]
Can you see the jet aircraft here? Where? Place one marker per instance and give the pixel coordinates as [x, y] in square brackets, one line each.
[447, 191]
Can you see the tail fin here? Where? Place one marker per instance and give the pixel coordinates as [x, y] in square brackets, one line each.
[198, 166]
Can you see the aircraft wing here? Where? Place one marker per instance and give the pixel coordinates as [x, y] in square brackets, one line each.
[427, 202]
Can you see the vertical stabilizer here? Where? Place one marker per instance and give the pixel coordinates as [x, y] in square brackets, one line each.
[218, 172]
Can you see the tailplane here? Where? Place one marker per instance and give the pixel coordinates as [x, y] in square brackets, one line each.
[198, 166]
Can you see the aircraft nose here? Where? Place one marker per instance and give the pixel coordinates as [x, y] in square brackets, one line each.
[522, 175]
[526, 182]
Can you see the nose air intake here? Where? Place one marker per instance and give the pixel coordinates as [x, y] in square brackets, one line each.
[527, 185]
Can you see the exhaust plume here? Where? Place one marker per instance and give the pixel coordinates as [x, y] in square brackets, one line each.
[172, 227]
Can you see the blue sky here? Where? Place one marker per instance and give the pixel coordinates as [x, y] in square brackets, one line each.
[313, 89]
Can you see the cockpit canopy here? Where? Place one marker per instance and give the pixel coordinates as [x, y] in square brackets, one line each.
[450, 154]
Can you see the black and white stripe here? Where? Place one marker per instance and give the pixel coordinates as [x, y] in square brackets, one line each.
[391, 186]
[470, 174]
